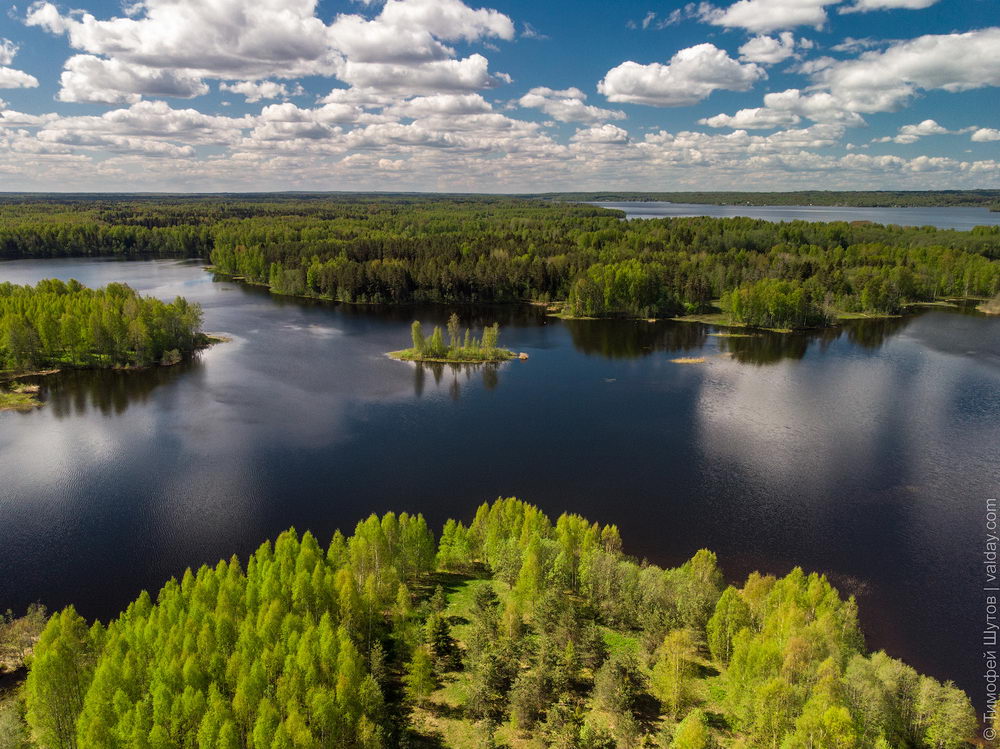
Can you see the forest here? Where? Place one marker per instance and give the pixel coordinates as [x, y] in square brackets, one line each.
[403, 249]
[511, 630]
[56, 324]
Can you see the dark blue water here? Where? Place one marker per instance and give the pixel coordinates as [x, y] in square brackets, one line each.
[951, 217]
[867, 452]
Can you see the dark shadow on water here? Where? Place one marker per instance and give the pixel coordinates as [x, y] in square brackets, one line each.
[108, 392]
[630, 339]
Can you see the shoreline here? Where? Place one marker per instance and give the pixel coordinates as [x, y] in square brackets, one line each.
[401, 355]
[23, 397]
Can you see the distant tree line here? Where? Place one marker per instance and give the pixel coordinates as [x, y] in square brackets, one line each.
[57, 324]
[412, 249]
[854, 198]
[511, 630]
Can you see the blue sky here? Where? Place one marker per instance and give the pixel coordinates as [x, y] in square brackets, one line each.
[509, 96]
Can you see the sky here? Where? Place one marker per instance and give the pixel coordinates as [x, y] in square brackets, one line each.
[511, 96]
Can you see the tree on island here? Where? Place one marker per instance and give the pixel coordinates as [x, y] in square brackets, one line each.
[458, 348]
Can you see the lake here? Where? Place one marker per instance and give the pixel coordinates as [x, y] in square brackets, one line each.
[866, 451]
[949, 217]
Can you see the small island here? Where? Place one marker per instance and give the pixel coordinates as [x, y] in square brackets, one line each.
[459, 349]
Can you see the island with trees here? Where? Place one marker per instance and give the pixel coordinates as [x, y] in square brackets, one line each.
[511, 630]
[458, 349]
[58, 325]
[401, 249]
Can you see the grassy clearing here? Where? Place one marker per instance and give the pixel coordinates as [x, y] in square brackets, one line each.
[20, 397]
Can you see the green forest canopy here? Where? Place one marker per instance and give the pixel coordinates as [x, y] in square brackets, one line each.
[512, 630]
[57, 324]
[400, 249]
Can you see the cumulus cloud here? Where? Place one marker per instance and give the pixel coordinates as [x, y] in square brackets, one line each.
[86, 78]
[986, 135]
[254, 91]
[913, 133]
[7, 51]
[439, 104]
[567, 105]
[404, 45]
[468, 74]
[768, 49]
[863, 6]
[227, 38]
[883, 81]
[153, 120]
[751, 119]
[9, 77]
[766, 16]
[691, 75]
[601, 134]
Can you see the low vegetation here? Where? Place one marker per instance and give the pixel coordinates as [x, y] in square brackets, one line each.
[57, 324]
[19, 397]
[458, 348]
[992, 307]
[510, 631]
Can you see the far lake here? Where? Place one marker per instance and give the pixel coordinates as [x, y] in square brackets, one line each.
[867, 451]
[951, 217]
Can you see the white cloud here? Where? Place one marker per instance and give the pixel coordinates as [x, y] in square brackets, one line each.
[601, 134]
[885, 81]
[819, 107]
[150, 120]
[765, 16]
[10, 78]
[913, 133]
[768, 49]
[863, 6]
[439, 104]
[751, 119]
[691, 75]
[985, 135]
[225, 38]
[8, 50]
[87, 78]
[402, 49]
[255, 91]
[567, 105]
[439, 76]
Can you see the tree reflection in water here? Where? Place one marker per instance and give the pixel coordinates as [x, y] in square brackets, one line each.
[631, 339]
[109, 392]
[490, 373]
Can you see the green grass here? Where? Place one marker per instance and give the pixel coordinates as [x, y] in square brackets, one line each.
[620, 643]
[19, 398]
